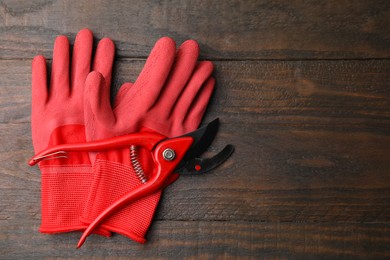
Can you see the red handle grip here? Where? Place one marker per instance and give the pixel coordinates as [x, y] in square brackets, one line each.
[147, 140]
[162, 170]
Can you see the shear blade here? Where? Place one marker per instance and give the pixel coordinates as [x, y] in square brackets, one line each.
[203, 137]
[203, 165]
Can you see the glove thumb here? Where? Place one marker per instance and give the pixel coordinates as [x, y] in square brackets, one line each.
[97, 108]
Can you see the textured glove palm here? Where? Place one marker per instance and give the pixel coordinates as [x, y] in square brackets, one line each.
[57, 118]
[169, 97]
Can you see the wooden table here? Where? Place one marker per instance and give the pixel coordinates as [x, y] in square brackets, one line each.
[302, 92]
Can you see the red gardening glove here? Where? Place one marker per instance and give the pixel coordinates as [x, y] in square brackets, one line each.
[169, 97]
[57, 118]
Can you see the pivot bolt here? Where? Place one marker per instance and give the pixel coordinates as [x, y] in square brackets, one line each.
[169, 154]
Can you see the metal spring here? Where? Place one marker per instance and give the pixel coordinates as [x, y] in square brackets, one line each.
[139, 172]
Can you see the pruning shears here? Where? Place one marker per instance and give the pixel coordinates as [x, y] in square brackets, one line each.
[170, 155]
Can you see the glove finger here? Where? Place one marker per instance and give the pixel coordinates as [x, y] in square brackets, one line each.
[199, 105]
[104, 59]
[59, 83]
[201, 74]
[39, 83]
[81, 60]
[152, 77]
[122, 93]
[185, 62]
[98, 114]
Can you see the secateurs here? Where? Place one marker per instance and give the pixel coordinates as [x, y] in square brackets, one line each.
[170, 155]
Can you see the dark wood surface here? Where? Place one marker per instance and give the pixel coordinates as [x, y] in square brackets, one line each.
[302, 92]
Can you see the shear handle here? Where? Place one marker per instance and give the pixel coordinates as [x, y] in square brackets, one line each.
[147, 140]
[162, 171]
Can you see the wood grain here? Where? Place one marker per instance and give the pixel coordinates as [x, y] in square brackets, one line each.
[225, 29]
[302, 92]
[208, 240]
[311, 143]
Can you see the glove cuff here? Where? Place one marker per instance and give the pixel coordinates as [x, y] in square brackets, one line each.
[112, 180]
[64, 192]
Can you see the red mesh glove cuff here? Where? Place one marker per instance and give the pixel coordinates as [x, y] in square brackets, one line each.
[112, 180]
[64, 189]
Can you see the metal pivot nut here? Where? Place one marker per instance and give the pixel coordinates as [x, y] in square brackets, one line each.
[169, 154]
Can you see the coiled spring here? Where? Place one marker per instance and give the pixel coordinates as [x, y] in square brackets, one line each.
[139, 172]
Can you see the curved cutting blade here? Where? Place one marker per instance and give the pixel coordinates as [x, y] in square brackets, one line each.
[203, 165]
[203, 137]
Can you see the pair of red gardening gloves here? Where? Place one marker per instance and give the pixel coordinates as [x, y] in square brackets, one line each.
[169, 97]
